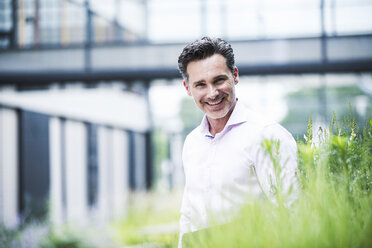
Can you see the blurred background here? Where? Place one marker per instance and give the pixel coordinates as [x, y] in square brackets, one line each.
[92, 107]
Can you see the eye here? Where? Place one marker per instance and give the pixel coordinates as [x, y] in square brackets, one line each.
[219, 81]
[199, 85]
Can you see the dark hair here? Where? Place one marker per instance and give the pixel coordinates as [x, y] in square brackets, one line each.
[204, 48]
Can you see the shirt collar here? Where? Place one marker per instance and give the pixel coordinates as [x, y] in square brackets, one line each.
[237, 117]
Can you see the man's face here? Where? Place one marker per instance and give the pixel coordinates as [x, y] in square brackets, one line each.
[212, 85]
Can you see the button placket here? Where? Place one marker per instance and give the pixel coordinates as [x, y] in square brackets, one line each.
[211, 162]
[209, 173]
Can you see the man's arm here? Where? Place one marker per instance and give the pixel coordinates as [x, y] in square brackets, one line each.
[286, 159]
[185, 217]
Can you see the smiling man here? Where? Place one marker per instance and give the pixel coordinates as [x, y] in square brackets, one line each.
[224, 161]
[211, 83]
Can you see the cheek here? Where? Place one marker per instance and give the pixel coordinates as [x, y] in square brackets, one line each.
[199, 99]
[197, 95]
[226, 89]
[230, 88]
[194, 97]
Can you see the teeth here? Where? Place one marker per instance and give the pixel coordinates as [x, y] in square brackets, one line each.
[210, 103]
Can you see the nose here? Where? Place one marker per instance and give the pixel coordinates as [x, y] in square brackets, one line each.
[212, 92]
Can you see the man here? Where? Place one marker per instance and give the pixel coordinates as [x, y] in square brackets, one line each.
[224, 161]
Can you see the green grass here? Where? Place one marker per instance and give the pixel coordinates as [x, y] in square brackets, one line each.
[334, 200]
[146, 216]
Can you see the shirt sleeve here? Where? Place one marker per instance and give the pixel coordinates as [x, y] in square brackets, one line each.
[287, 158]
[185, 219]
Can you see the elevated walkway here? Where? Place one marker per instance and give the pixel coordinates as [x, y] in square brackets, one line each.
[152, 61]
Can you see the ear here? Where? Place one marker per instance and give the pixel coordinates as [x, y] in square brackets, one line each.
[236, 75]
[187, 87]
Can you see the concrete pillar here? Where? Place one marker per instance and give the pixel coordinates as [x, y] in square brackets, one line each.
[8, 167]
[120, 173]
[76, 172]
[105, 173]
[56, 172]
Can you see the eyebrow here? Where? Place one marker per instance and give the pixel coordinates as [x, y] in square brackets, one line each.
[214, 79]
[200, 81]
[222, 76]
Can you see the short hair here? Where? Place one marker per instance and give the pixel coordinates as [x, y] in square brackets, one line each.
[202, 49]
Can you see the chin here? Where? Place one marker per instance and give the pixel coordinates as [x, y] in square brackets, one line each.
[216, 116]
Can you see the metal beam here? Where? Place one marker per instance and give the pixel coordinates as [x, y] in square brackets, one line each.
[128, 75]
[355, 66]
[13, 32]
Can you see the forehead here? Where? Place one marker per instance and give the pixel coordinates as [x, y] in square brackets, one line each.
[208, 67]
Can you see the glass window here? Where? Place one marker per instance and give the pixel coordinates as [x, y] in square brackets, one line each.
[174, 20]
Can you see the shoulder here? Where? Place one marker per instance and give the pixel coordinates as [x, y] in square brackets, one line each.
[265, 128]
[191, 146]
[254, 123]
[193, 137]
[194, 134]
[252, 118]
[277, 132]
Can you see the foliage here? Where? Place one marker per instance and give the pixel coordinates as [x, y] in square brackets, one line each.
[64, 238]
[334, 198]
[148, 215]
[6, 236]
[306, 101]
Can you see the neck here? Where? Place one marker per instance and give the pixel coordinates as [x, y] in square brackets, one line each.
[217, 125]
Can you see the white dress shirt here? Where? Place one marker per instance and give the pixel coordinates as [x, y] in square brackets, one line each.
[225, 171]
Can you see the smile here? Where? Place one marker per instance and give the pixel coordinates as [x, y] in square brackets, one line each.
[215, 103]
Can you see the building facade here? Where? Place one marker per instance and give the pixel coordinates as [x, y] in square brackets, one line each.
[72, 155]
